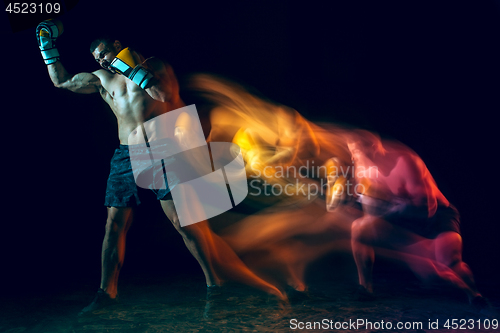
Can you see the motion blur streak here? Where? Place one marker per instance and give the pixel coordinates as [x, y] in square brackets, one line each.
[405, 215]
[310, 188]
[280, 234]
[224, 262]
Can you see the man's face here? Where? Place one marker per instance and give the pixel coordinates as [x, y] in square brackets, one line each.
[356, 151]
[104, 55]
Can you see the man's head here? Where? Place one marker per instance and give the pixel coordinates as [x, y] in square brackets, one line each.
[105, 50]
[364, 143]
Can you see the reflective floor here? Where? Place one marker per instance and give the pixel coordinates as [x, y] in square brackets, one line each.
[178, 304]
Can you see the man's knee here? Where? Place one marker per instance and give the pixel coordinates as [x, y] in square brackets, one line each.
[188, 232]
[176, 223]
[171, 213]
[169, 210]
[362, 229]
[449, 248]
[118, 219]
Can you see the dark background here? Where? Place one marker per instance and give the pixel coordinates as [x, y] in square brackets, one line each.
[423, 72]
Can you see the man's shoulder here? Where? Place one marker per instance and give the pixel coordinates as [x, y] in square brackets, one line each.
[105, 81]
[108, 79]
[103, 74]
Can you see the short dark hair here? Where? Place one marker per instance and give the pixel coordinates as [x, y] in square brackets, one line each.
[104, 39]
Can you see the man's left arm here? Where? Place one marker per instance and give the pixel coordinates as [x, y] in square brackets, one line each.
[152, 75]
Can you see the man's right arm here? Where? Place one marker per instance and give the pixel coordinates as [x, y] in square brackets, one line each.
[83, 83]
[47, 33]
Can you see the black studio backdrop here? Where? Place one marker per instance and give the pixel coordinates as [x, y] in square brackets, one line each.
[422, 72]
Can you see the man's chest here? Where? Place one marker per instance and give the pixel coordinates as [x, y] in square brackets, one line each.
[118, 86]
[123, 95]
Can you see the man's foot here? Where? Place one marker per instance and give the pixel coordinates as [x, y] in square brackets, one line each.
[295, 295]
[214, 295]
[363, 295]
[213, 292]
[100, 300]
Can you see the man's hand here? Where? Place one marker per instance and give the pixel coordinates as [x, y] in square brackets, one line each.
[127, 63]
[46, 34]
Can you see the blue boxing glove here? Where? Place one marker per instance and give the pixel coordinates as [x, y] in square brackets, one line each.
[46, 35]
[125, 64]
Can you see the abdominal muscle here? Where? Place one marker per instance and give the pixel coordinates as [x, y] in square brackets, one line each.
[134, 107]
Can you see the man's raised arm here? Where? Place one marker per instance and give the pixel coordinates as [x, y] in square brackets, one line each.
[85, 83]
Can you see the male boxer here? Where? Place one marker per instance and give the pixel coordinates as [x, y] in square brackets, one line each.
[405, 217]
[137, 90]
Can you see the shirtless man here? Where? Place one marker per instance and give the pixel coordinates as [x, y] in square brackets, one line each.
[405, 217]
[137, 90]
[133, 103]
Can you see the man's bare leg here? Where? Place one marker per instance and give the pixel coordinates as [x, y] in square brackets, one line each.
[197, 249]
[448, 251]
[428, 259]
[113, 253]
[207, 246]
[113, 247]
[362, 234]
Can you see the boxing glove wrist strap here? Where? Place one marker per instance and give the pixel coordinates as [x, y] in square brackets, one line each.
[46, 34]
[50, 56]
[139, 75]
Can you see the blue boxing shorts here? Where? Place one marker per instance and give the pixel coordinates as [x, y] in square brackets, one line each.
[121, 190]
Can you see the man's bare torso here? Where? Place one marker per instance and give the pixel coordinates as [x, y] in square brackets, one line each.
[131, 105]
[401, 174]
